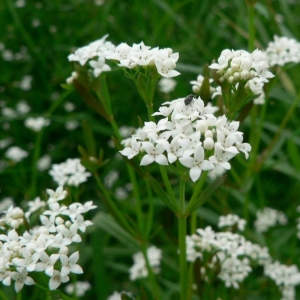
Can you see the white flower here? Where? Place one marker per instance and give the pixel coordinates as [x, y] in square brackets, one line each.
[167, 85]
[71, 172]
[16, 154]
[166, 67]
[231, 220]
[44, 163]
[46, 263]
[28, 261]
[197, 84]
[57, 195]
[99, 66]
[34, 205]
[56, 280]
[283, 50]
[197, 163]
[139, 269]
[36, 124]
[80, 288]
[21, 278]
[133, 150]
[269, 217]
[69, 264]
[94, 49]
[153, 154]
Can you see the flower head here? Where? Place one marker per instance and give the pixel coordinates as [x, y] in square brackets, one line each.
[190, 133]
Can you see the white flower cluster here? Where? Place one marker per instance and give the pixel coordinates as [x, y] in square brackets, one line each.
[130, 57]
[232, 252]
[36, 124]
[13, 217]
[16, 154]
[42, 248]
[269, 217]
[139, 268]
[190, 133]
[197, 84]
[285, 277]
[166, 85]
[96, 53]
[283, 50]
[118, 295]
[141, 55]
[240, 65]
[79, 288]
[231, 220]
[71, 172]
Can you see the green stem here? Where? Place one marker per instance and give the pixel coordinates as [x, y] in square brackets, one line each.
[136, 194]
[3, 296]
[38, 143]
[182, 243]
[168, 186]
[155, 289]
[197, 191]
[117, 213]
[150, 212]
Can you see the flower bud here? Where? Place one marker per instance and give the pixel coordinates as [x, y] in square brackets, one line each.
[208, 133]
[202, 126]
[208, 143]
[15, 224]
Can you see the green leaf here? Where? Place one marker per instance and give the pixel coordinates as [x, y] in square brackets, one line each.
[108, 224]
[67, 87]
[205, 195]
[205, 90]
[90, 99]
[89, 138]
[160, 192]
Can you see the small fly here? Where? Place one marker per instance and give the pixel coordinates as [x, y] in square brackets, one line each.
[189, 99]
[2, 214]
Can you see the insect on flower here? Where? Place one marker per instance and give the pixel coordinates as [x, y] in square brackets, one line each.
[189, 99]
[2, 214]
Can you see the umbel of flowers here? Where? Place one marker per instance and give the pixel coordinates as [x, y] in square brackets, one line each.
[100, 51]
[230, 257]
[189, 133]
[43, 248]
[240, 77]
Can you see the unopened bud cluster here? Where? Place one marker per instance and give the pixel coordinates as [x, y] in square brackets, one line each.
[240, 65]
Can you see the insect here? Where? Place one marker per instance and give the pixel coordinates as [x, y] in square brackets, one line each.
[189, 99]
[2, 214]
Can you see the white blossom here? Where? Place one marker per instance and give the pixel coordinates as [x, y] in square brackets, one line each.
[139, 268]
[283, 50]
[36, 124]
[269, 217]
[188, 133]
[71, 172]
[16, 154]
